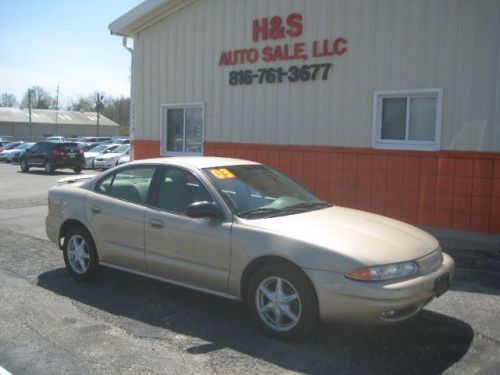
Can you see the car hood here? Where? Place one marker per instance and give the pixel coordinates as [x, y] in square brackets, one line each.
[367, 238]
[91, 154]
[11, 151]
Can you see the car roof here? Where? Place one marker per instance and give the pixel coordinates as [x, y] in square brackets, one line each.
[198, 162]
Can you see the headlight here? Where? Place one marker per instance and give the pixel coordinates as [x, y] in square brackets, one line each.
[382, 273]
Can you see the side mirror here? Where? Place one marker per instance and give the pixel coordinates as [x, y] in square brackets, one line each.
[203, 209]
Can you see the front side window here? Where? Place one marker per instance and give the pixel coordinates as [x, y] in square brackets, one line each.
[182, 129]
[35, 148]
[408, 119]
[130, 184]
[178, 189]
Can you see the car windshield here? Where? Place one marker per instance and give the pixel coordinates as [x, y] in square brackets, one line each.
[255, 191]
[121, 149]
[99, 148]
[10, 146]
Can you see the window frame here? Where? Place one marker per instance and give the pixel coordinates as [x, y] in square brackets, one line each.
[164, 128]
[378, 142]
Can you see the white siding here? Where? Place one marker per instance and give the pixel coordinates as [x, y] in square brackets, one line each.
[393, 44]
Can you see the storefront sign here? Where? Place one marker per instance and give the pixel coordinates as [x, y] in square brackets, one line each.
[278, 28]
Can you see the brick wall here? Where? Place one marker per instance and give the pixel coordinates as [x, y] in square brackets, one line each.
[448, 189]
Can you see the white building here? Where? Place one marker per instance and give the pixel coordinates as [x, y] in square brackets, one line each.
[387, 106]
[15, 124]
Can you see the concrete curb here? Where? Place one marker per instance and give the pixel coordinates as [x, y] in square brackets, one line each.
[464, 240]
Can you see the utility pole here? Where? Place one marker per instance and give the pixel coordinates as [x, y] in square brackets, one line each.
[30, 91]
[98, 110]
[57, 102]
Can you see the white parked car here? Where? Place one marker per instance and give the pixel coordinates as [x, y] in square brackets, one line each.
[91, 154]
[56, 138]
[122, 141]
[123, 160]
[110, 160]
[14, 153]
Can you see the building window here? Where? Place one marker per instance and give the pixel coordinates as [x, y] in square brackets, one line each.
[182, 129]
[407, 119]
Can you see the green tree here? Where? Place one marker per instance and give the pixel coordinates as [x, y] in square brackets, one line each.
[81, 104]
[40, 98]
[118, 110]
[8, 100]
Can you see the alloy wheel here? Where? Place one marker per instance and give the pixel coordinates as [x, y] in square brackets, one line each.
[78, 254]
[278, 304]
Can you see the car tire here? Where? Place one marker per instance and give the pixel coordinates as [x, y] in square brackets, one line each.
[297, 303]
[24, 166]
[77, 170]
[49, 167]
[80, 254]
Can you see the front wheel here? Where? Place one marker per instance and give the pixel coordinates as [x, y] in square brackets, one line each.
[77, 170]
[24, 167]
[282, 301]
[80, 255]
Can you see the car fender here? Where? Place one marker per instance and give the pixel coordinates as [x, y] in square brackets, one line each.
[250, 243]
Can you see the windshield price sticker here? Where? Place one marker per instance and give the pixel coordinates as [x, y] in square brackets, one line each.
[222, 173]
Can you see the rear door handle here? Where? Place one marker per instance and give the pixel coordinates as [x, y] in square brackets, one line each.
[96, 209]
[155, 223]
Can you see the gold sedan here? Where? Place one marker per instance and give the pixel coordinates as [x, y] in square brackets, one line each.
[241, 230]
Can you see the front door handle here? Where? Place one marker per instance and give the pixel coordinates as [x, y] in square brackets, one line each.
[96, 209]
[155, 223]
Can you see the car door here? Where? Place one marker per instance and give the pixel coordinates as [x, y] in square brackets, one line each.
[115, 210]
[194, 251]
[34, 156]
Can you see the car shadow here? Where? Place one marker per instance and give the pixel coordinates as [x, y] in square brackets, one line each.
[430, 343]
[41, 172]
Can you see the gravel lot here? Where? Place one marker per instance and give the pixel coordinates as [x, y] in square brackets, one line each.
[50, 324]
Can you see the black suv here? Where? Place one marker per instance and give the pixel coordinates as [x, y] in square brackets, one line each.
[52, 156]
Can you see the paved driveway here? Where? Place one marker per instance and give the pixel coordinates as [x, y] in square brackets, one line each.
[123, 323]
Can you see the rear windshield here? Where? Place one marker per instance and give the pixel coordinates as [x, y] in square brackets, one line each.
[68, 147]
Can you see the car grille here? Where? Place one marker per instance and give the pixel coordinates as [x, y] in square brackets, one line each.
[430, 262]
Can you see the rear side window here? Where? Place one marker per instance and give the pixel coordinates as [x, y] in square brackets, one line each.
[130, 184]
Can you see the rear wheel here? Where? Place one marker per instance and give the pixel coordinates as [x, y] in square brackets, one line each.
[80, 255]
[49, 167]
[282, 301]
[77, 170]
[24, 167]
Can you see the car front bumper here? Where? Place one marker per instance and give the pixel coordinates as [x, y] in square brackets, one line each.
[104, 163]
[342, 299]
[89, 162]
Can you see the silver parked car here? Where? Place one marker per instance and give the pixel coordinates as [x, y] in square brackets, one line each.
[241, 230]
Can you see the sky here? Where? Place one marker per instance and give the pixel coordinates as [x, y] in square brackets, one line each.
[63, 43]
